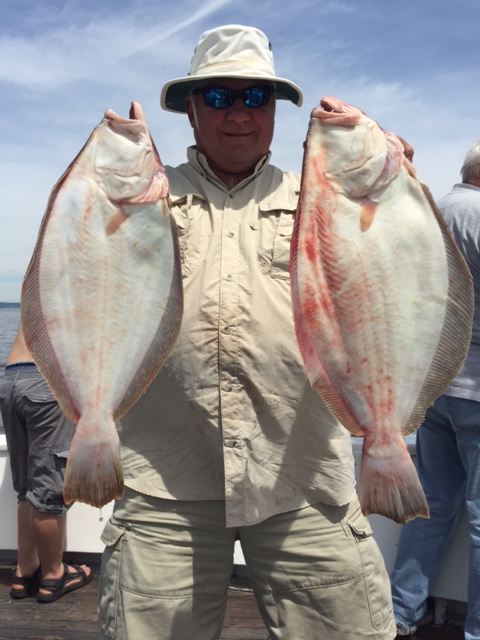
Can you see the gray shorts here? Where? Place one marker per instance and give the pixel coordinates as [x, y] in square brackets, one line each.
[38, 437]
[316, 572]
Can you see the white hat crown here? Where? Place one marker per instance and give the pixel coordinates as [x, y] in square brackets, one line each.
[233, 50]
[230, 51]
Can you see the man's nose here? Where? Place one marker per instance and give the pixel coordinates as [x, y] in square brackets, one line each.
[239, 112]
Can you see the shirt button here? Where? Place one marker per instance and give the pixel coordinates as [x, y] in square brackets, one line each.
[226, 330]
[231, 444]
[230, 234]
[229, 278]
[228, 387]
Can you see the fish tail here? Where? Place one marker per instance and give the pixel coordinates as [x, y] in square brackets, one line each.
[94, 473]
[389, 483]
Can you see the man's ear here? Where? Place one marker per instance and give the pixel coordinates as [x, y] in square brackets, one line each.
[189, 110]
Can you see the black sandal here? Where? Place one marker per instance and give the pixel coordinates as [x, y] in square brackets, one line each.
[60, 587]
[29, 583]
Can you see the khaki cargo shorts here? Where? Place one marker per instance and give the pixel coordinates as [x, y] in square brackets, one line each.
[317, 573]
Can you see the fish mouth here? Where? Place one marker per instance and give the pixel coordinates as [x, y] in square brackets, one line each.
[133, 126]
[334, 111]
[136, 112]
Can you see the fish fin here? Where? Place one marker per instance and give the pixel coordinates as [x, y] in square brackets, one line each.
[337, 406]
[367, 214]
[454, 340]
[36, 334]
[94, 473]
[389, 484]
[115, 221]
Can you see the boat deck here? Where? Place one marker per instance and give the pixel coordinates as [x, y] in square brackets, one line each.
[74, 617]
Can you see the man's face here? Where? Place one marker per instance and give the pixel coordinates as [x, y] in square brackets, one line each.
[233, 139]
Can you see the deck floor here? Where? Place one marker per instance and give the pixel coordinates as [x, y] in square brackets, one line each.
[74, 616]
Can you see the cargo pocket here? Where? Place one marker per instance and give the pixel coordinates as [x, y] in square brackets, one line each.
[113, 533]
[274, 229]
[377, 584]
[35, 402]
[47, 465]
[110, 616]
[59, 457]
[193, 225]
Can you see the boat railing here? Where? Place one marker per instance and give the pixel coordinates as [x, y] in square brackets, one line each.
[2, 369]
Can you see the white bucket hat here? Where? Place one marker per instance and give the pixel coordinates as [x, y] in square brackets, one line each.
[231, 51]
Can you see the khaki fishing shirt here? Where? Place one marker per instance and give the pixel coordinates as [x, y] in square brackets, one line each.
[232, 416]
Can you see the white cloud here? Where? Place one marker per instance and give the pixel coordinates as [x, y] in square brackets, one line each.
[79, 51]
[65, 63]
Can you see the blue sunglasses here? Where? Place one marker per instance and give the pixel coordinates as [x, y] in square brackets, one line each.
[224, 98]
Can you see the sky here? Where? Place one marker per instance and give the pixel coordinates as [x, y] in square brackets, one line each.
[412, 66]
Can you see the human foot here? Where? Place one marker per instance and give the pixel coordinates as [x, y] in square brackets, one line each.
[25, 586]
[74, 577]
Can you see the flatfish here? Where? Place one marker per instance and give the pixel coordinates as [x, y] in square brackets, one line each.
[382, 298]
[102, 298]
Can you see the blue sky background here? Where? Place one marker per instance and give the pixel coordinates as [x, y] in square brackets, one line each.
[411, 65]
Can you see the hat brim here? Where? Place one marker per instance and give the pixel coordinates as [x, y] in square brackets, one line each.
[172, 97]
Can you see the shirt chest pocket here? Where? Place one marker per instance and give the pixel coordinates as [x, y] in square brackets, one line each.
[194, 230]
[273, 229]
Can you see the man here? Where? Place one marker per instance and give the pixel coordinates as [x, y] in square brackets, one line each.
[448, 445]
[38, 438]
[230, 441]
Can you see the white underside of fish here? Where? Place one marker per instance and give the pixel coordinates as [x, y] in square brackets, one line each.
[382, 306]
[102, 303]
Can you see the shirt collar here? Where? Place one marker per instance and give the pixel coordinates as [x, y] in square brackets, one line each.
[200, 164]
[464, 185]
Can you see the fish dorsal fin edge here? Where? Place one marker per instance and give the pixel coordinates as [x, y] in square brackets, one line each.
[454, 340]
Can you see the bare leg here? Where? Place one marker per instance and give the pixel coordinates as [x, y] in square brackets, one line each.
[41, 540]
[28, 558]
[49, 533]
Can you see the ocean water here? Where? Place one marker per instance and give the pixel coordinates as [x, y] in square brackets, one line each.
[9, 320]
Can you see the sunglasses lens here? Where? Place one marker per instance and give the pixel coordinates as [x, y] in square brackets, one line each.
[220, 98]
[223, 98]
[256, 97]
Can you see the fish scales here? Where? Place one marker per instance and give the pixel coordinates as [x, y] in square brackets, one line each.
[102, 297]
[382, 298]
